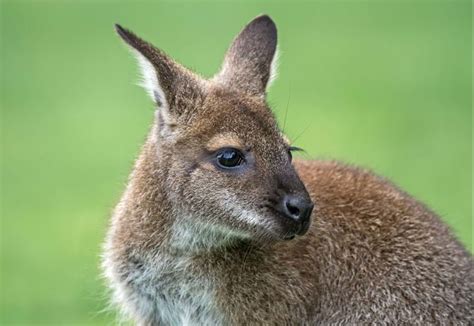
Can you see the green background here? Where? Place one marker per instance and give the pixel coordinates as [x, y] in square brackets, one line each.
[385, 85]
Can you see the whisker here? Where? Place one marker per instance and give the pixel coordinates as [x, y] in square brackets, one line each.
[302, 132]
[287, 105]
[249, 248]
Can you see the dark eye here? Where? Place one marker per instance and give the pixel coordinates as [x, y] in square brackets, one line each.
[229, 158]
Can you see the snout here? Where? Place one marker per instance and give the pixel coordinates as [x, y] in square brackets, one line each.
[297, 209]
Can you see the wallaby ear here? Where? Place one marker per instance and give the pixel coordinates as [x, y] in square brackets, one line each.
[249, 64]
[169, 84]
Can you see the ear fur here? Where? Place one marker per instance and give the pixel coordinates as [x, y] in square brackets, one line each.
[170, 85]
[274, 68]
[150, 81]
[250, 62]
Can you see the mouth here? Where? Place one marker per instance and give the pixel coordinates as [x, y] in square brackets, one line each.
[291, 228]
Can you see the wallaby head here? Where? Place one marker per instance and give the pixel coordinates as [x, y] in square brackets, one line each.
[225, 167]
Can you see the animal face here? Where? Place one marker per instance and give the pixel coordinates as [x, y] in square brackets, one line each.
[227, 165]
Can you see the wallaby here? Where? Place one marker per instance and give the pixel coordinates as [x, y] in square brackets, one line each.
[217, 226]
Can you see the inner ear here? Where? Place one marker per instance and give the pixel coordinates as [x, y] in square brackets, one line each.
[150, 81]
[250, 61]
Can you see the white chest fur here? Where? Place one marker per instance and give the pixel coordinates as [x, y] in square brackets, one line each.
[168, 290]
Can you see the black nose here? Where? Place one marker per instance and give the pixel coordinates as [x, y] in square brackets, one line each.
[298, 208]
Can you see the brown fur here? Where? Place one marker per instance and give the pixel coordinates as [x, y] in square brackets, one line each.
[178, 249]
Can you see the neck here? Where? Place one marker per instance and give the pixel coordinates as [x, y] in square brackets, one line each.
[189, 236]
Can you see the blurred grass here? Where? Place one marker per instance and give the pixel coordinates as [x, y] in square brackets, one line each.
[386, 85]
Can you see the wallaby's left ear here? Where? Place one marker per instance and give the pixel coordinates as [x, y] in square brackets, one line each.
[250, 61]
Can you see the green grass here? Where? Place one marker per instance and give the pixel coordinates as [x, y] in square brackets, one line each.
[385, 85]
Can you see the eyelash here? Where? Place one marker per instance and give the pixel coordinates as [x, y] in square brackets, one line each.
[294, 149]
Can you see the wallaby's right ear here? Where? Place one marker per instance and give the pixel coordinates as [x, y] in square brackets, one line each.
[169, 84]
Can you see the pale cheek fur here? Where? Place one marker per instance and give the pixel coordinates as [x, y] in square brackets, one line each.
[231, 203]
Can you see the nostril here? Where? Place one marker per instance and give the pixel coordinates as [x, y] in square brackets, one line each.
[293, 210]
[297, 207]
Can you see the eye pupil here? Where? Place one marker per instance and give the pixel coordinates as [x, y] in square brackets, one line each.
[230, 158]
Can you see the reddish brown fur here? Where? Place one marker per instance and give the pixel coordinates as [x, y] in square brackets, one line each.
[373, 254]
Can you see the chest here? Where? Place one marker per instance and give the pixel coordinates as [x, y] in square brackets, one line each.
[183, 292]
[177, 293]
